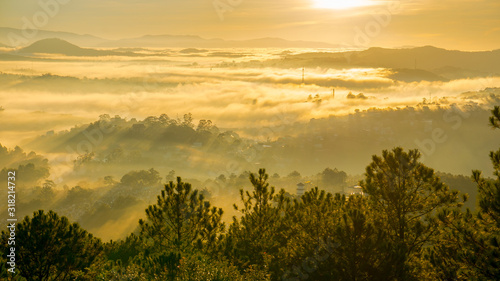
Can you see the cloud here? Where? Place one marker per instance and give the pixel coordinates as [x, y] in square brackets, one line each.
[230, 95]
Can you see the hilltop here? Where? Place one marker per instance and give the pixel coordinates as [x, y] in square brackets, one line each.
[161, 40]
[431, 62]
[59, 46]
[79, 39]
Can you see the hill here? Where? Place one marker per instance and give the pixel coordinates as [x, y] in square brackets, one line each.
[162, 40]
[430, 58]
[59, 46]
[79, 39]
[450, 64]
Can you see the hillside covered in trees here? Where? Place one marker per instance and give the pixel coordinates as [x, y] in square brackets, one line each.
[199, 148]
[406, 225]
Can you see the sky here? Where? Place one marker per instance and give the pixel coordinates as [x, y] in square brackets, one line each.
[457, 24]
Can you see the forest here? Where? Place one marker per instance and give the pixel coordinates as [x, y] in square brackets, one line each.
[233, 140]
[407, 224]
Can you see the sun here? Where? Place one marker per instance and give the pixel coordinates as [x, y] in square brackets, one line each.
[341, 4]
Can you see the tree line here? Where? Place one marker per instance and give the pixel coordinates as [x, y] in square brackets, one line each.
[408, 225]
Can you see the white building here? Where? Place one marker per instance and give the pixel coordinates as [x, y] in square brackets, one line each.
[353, 190]
[300, 189]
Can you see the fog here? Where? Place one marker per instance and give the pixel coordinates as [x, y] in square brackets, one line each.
[232, 96]
[98, 118]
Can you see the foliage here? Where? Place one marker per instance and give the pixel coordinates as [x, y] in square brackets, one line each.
[255, 233]
[33, 168]
[201, 268]
[407, 195]
[408, 225]
[181, 220]
[141, 178]
[49, 247]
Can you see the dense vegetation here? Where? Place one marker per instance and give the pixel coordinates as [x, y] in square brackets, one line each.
[114, 144]
[408, 225]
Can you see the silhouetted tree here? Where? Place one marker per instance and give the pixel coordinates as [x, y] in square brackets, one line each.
[255, 234]
[181, 220]
[406, 194]
[49, 247]
[469, 246]
[170, 176]
[331, 177]
[141, 178]
[187, 120]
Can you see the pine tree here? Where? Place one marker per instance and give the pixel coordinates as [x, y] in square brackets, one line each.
[49, 247]
[254, 236]
[407, 195]
[181, 220]
[470, 244]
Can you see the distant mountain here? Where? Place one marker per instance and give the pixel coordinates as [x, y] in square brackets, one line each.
[85, 40]
[449, 64]
[58, 46]
[4, 46]
[192, 51]
[161, 41]
[170, 41]
[430, 58]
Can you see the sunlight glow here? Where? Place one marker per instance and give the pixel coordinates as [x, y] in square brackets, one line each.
[341, 4]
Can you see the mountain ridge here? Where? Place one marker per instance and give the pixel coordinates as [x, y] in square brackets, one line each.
[86, 40]
[161, 40]
[442, 62]
[439, 64]
[60, 46]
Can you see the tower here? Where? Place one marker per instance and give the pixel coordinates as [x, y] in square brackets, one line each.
[300, 189]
